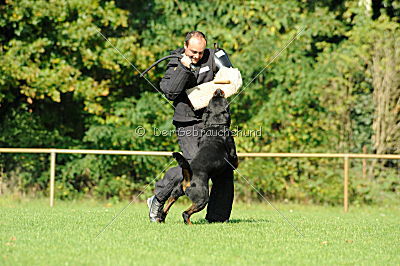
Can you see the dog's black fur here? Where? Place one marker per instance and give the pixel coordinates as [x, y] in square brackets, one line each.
[215, 148]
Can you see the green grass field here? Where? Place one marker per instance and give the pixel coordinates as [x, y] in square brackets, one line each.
[33, 233]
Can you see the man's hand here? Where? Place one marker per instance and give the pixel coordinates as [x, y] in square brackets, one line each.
[186, 61]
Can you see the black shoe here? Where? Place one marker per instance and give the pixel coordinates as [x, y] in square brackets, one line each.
[155, 209]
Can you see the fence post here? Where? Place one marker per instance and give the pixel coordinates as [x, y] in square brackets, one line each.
[346, 184]
[52, 176]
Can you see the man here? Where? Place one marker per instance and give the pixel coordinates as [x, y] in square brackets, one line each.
[197, 66]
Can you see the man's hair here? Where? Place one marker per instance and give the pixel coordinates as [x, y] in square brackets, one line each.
[195, 33]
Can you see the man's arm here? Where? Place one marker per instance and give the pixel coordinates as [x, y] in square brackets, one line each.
[175, 79]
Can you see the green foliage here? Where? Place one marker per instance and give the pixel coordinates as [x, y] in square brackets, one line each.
[22, 128]
[49, 48]
[384, 189]
[120, 176]
[63, 85]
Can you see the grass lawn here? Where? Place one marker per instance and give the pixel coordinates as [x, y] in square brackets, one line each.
[33, 233]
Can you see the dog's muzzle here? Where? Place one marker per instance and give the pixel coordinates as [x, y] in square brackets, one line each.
[219, 93]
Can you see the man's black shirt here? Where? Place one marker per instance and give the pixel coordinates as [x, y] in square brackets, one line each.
[178, 79]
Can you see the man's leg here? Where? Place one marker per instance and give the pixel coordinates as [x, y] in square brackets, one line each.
[189, 143]
[221, 198]
[188, 139]
[162, 192]
[164, 187]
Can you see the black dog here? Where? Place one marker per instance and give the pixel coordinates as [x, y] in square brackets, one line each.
[215, 148]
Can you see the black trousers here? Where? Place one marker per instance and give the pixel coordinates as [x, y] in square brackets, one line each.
[222, 192]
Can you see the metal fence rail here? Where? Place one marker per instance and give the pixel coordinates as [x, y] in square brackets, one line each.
[346, 160]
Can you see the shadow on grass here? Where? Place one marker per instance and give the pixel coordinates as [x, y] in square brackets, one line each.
[234, 221]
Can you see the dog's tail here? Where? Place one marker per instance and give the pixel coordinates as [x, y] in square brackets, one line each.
[186, 170]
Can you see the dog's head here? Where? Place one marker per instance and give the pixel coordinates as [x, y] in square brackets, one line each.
[217, 111]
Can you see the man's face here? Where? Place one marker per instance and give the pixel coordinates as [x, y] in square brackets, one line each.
[195, 49]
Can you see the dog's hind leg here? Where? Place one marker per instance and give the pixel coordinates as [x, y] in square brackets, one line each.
[186, 214]
[192, 209]
[198, 194]
[196, 207]
[175, 195]
[164, 213]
